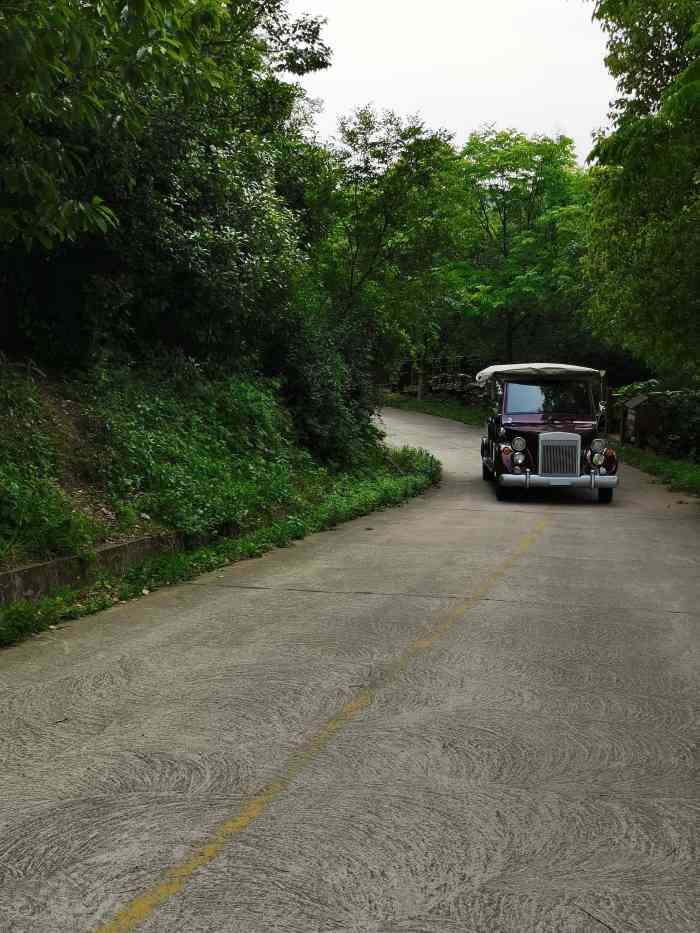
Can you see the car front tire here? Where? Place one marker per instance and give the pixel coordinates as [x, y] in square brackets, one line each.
[503, 494]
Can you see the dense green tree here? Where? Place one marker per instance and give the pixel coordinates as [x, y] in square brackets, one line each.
[71, 68]
[647, 48]
[159, 222]
[395, 226]
[521, 230]
[645, 220]
[162, 193]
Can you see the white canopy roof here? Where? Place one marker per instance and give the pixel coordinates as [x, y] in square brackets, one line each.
[533, 370]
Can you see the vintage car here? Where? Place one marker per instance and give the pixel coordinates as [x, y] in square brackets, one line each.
[547, 429]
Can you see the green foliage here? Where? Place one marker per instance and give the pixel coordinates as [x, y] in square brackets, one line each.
[641, 387]
[522, 242]
[198, 456]
[680, 475]
[395, 224]
[644, 243]
[170, 447]
[163, 196]
[37, 520]
[330, 393]
[411, 460]
[647, 48]
[405, 473]
[472, 415]
[71, 69]
[645, 220]
[223, 205]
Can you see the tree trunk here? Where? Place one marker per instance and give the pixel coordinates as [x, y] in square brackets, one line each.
[419, 394]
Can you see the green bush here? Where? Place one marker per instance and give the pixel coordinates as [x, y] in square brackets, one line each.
[402, 473]
[199, 456]
[37, 519]
[172, 447]
[411, 460]
[325, 382]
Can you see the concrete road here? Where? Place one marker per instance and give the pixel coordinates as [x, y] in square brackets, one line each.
[460, 716]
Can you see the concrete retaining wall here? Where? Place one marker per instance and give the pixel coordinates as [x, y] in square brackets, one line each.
[37, 580]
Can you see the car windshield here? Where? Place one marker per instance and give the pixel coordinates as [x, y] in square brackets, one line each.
[564, 398]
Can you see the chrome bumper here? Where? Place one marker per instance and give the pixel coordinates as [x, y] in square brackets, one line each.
[535, 481]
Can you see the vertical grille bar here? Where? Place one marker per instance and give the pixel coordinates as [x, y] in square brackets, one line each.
[560, 454]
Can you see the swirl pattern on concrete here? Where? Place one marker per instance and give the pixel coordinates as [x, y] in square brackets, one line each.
[535, 771]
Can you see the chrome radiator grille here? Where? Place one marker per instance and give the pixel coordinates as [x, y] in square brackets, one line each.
[560, 454]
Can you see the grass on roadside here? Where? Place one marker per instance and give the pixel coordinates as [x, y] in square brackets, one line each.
[680, 475]
[474, 415]
[122, 452]
[407, 472]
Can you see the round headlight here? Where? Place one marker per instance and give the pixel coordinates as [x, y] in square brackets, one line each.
[599, 445]
[519, 459]
[519, 443]
[598, 459]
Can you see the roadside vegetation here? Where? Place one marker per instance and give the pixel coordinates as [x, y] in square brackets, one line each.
[401, 474]
[679, 475]
[118, 453]
[475, 415]
[115, 453]
[201, 300]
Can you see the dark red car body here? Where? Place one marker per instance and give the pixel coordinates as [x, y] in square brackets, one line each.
[558, 445]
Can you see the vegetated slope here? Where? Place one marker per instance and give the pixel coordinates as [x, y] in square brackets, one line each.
[120, 452]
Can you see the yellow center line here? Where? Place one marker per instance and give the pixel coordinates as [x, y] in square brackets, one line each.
[174, 879]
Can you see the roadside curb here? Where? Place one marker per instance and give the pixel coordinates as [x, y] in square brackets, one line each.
[36, 580]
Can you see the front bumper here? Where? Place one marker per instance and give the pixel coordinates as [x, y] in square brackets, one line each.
[535, 481]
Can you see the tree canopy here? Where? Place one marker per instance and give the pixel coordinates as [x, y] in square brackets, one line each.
[72, 68]
[163, 193]
[516, 188]
[645, 216]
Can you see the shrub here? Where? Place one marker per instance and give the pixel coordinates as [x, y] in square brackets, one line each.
[194, 457]
[37, 519]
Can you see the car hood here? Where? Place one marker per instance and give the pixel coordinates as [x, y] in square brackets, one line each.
[537, 424]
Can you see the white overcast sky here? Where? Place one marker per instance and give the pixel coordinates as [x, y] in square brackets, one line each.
[535, 65]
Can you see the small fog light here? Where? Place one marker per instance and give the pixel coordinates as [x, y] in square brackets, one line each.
[519, 459]
[598, 459]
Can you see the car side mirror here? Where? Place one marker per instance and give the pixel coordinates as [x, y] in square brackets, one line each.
[602, 414]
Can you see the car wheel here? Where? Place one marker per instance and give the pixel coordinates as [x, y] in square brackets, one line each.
[605, 495]
[486, 474]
